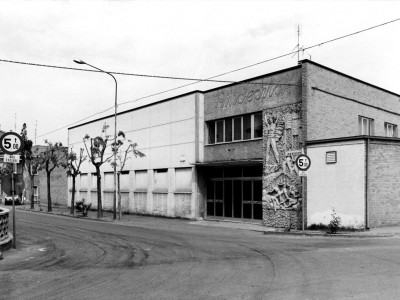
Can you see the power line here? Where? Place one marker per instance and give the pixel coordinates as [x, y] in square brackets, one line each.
[267, 60]
[116, 73]
[66, 126]
[124, 73]
[209, 78]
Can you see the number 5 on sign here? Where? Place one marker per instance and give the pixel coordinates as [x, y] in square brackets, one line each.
[303, 162]
[11, 143]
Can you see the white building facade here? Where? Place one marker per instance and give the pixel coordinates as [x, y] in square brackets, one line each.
[171, 135]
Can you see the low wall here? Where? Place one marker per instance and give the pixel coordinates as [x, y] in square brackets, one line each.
[5, 237]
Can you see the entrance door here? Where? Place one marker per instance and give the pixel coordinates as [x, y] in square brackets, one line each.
[238, 197]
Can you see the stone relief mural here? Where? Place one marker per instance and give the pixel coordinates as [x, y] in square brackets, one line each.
[281, 145]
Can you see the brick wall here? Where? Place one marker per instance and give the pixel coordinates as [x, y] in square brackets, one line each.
[58, 186]
[384, 187]
[329, 116]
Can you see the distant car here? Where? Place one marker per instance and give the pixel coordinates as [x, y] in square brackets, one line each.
[8, 200]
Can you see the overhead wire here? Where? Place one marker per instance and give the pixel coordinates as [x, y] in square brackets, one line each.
[198, 80]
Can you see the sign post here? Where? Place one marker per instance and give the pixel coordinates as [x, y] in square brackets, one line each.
[11, 144]
[303, 163]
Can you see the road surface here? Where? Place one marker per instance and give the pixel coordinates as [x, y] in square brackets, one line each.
[154, 258]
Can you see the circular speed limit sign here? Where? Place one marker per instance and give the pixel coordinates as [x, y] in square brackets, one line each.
[303, 162]
[11, 143]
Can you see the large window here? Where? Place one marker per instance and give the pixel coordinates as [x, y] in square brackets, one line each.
[237, 128]
[141, 181]
[183, 180]
[365, 126]
[161, 180]
[109, 181]
[84, 181]
[390, 130]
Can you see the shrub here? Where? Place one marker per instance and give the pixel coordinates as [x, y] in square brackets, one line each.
[335, 222]
[82, 207]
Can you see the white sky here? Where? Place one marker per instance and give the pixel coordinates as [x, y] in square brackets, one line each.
[175, 38]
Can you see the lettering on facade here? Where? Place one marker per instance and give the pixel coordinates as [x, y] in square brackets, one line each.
[248, 93]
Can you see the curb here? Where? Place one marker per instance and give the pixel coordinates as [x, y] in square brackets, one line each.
[67, 215]
[324, 234]
[265, 232]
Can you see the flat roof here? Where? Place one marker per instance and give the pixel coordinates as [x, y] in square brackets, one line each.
[353, 138]
[348, 76]
[237, 83]
[136, 108]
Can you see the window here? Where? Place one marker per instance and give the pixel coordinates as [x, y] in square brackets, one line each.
[124, 181]
[108, 180]
[228, 129]
[94, 182]
[366, 126]
[220, 131]
[390, 130]
[247, 127]
[258, 129]
[237, 128]
[161, 180]
[84, 181]
[211, 132]
[183, 180]
[141, 181]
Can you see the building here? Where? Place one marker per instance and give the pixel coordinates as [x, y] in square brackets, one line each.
[229, 152]
[58, 183]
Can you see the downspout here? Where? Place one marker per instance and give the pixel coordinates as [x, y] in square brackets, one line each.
[366, 184]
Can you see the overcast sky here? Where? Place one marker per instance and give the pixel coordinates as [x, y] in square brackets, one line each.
[173, 38]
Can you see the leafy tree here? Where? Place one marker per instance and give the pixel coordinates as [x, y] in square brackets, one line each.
[74, 165]
[96, 152]
[54, 156]
[121, 159]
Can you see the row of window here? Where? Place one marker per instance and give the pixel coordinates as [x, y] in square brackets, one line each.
[236, 128]
[366, 127]
[183, 180]
[247, 127]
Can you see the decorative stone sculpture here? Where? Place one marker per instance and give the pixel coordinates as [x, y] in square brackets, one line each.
[281, 182]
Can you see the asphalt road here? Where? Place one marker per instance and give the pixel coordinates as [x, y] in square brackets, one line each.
[152, 258]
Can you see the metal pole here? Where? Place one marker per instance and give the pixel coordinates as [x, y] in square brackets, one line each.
[13, 205]
[115, 137]
[115, 155]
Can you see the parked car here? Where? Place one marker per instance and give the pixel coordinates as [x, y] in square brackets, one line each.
[8, 200]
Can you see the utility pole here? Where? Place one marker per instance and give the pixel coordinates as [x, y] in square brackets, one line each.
[298, 43]
[35, 131]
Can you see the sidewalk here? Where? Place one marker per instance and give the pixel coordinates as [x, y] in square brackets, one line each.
[388, 231]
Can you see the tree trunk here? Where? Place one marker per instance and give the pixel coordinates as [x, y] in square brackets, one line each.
[48, 193]
[32, 178]
[119, 196]
[73, 195]
[99, 205]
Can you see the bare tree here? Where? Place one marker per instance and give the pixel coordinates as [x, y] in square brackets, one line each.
[27, 160]
[33, 165]
[122, 157]
[96, 152]
[74, 165]
[53, 157]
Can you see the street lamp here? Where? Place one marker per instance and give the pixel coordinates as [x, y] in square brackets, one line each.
[81, 62]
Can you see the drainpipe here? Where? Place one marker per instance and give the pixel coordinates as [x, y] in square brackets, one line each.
[366, 184]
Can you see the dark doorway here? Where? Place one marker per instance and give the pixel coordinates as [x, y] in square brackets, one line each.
[235, 193]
